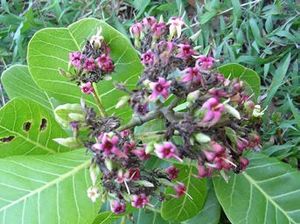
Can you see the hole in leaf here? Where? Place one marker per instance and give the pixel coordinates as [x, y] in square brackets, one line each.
[27, 126]
[7, 139]
[43, 125]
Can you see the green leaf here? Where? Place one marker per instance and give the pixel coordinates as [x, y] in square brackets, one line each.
[144, 216]
[295, 111]
[267, 192]
[46, 189]
[17, 82]
[105, 218]
[49, 50]
[210, 214]
[238, 71]
[183, 208]
[27, 128]
[278, 78]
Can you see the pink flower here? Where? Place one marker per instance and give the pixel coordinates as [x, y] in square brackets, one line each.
[244, 162]
[136, 30]
[105, 63]
[176, 24]
[89, 64]
[141, 154]
[172, 172]
[134, 174]
[242, 144]
[139, 201]
[158, 29]
[117, 207]
[180, 189]
[148, 58]
[217, 92]
[192, 75]
[185, 51]
[125, 133]
[160, 88]
[203, 171]
[109, 145]
[205, 62]
[87, 88]
[167, 150]
[149, 21]
[76, 59]
[213, 112]
[217, 148]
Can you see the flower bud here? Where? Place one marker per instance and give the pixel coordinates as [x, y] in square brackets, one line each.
[193, 96]
[96, 40]
[108, 164]
[62, 113]
[94, 172]
[202, 138]
[69, 142]
[76, 116]
[149, 148]
[231, 110]
[122, 102]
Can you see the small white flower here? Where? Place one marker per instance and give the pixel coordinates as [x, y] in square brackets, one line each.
[96, 40]
[93, 193]
[257, 112]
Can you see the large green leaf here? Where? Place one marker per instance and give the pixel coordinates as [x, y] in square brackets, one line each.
[267, 192]
[144, 216]
[183, 208]
[49, 50]
[46, 189]
[210, 214]
[28, 128]
[234, 70]
[18, 82]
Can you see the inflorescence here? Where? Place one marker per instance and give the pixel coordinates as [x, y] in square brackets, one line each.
[209, 119]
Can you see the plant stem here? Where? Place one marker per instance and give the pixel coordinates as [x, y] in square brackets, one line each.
[98, 101]
[136, 121]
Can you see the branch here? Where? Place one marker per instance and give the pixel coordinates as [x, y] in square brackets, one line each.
[137, 121]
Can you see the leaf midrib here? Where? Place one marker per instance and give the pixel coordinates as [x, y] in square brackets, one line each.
[252, 181]
[70, 173]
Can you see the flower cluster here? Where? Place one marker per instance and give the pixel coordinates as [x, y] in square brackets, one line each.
[209, 118]
[92, 64]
